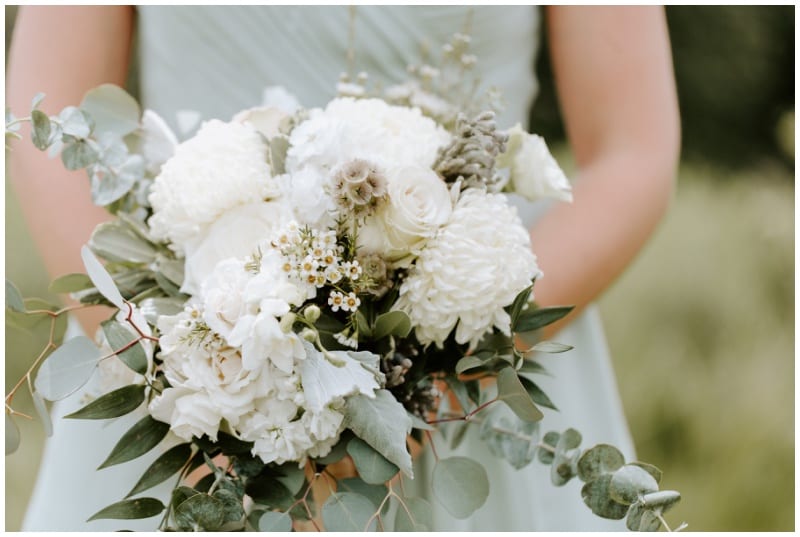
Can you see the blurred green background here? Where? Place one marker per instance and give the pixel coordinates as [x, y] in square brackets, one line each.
[701, 325]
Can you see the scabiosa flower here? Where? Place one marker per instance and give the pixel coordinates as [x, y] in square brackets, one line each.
[474, 267]
[358, 186]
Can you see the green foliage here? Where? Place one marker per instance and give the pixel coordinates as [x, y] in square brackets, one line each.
[414, 514]
[275, 521]
[535, 319]
[374, 493]
[372, 467]
[113, 404]
[536, 394]
[67, 368]
[511, 391]
[70, 283]
[119, 337]
[12, 435]
[392, 323]
[460, 485]
[348, 511]
[130, 509]
[509, 437]
[40, 134]
[630, 483]
[598, 460]
[101, 278]
[138, 440]
[163, 467]
[14, 300]
[113, 109]
[200, 512]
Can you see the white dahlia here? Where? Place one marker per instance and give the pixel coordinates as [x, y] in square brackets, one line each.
[223, 166]
[474, 267]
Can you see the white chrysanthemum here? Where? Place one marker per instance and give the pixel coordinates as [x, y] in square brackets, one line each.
[369, 129]
[224, 165]
[474, 267]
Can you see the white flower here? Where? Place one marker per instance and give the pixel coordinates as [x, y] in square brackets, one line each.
[419, 204]
[306, 193]
[158, 142]
[535, 174]
[370, 129]
[222, 167]
[474, 267]
[280, 98]
[223, 296]
[189, 413]
[238, 233]
[265, 119]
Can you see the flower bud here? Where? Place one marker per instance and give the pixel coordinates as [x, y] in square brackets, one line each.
[287, 321]
[308, 334]
[312, 313]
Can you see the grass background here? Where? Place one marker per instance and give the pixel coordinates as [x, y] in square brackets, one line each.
[700, 326]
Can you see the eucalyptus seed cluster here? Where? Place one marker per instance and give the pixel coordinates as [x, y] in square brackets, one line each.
[471, 155]
[358, 186]
[375, 280]
[406, 381]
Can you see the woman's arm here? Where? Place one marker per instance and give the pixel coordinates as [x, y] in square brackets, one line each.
[613, 71]
[63, 52]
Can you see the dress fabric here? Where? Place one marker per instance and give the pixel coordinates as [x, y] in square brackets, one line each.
[217, 61]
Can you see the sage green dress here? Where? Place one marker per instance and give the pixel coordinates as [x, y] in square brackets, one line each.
[217, 61]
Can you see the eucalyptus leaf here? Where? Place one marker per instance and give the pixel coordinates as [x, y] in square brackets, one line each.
[138, 440]
[540, 317]
[112, 109]
[536, 394]
[76, 123]
[532, 366]
[597, 497]
[12, 435]
[153, 308]
[348, 511]
[416, 516]
[339, 450]
[630, 483]
[37, 100]
[372, 467]
[130, 509]
[275, 521]
[40, 134]
[641, 518]
[43, 412]
[650, 469]
[231, 505]
[70, 283]
[67, 368]
[113, 404]
[14, 300]
[511, 391]
[565, 459]
[374, 493]
[109, 185]
[520, 302]
[201, 512]
[461, 429]
[598, 460]
[268, 491]
[468, 362]
[382, 423]
[551, 347]
[116, 242]
[661, 500]
[509, 437]
[417, 423]
[550, 440]
[101, 278]
[78, 155]
[163, 467]
[459, 389]
[120, 336]
[293, 477]
[172, 269]
[394, 323]
[460, 485]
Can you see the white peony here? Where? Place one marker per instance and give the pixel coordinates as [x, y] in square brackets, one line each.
[535, 174]
[265, 119]
[474, 267]
[223, 166]
[419, 204]
[223, 296]
[306, 193]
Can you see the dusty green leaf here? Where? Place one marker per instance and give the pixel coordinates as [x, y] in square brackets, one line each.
[101, 278]
[275, 521]
[348, 511]
[138, 440]
[597, 497]
[565, 459]
[37, 100]
[116, 242]
[536, 394]
[468, 362]
[43, 412]
[293, 478]
[201, 512]
[641, 518]
[113, 404]
[163, 467]
[650, 469]
[532, 366]
[14, 300]
[416, 516]
[339, 450]
[598, 460]
[661, 500]
[552, 347]
[75, 122]
[67, 369]
[394, 323]
[69, 283]
[550, 440]
[112, 109]
[78, 155]
[372, 467]
[382, 423]
[511, 391]
[119, 337]
[631, 482]
[12, 435]
[460, 485]
[374, 493]
[130, 509]
[540, 317]
[509, 437]
[153, 308]
[520, 302]
[232, 507]
[417, 423]
[40, 134]
[172, 269]
[268, 491]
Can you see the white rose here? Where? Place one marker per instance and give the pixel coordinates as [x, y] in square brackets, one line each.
[535, 174]
[236, 233]
[419, 204]
[223, 301]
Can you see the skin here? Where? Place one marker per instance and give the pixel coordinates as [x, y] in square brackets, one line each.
[615, 84]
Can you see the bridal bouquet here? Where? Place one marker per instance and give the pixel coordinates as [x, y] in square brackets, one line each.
[298, 287]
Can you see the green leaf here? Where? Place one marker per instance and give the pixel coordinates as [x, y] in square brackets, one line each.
[113, 404]
[110, 184]
[662, 500]
[141, 438]
[112, 109]
[40, 134]
[629, 483]
[382, 423]
[12, 435]
[339, 450]
[43, 412]
[650, 469]
[598, 460]
[536, 394]
[540, 317]
[153, 308]
[565, 459]
[348, 511]
[517, 307]
[509, 437]
[641, 518]
[394, 323]
[292, 477]
[459, 389]
[374, 493]
[37, 100]
[468, 362]
[417, 423]
[171, 269]
[511, 391]
[70, 283]
[372, 467]
[419, 516]
[597, 497]
[232, 505]
[67, 369]
[460, 485]
[550, 439]
[200, 512]
[130, 509]
[268, 491]
[551, 347]
[14, 300]
[78, 155]
[163, 467]
[532, 366]
[275, 521]
[101, 278]
[119, 336]
[116, 242]
[76, 123]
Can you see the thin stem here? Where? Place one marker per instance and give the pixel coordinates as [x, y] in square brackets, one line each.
[664, 522]
[433, 447]
[351, 40]
[466, 417]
